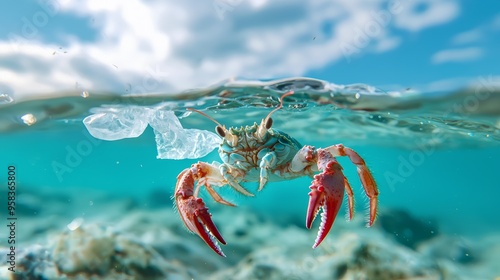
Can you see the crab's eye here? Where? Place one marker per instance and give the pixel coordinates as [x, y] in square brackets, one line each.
[269, 123]
[220, 131]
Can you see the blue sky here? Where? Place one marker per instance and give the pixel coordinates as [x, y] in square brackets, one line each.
[411, 63]
[156, 46]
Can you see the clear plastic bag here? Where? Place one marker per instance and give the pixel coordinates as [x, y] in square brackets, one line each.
[172, 140]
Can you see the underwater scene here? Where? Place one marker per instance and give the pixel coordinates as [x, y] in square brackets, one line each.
[95, 184]
[249, 139]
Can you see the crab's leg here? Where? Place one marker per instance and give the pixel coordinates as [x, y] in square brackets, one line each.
[364, 173]
[350, 198]
[267, 162]
[217, 197]
[327, 191]
[192, 209]
[225, 170]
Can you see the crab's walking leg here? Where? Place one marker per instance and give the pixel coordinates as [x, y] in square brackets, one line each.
[229, 178]
[364, 173]
[192, 209]
[217, 197]
[350, 198]
[267, 162]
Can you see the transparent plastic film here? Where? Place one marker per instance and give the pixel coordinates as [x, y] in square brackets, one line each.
[172, 140]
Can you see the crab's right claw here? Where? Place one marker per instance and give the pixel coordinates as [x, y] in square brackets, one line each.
[195, 214]
[327, 191]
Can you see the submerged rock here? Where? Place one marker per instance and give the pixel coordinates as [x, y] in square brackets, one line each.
[406, 228]
[164, 231]
[349, 256]
[34, 262]
[97, 253]
[455, 249]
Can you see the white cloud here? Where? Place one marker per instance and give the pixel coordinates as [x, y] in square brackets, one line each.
[466, 37]
[457, 55]
[481, 32]
[162, 46]
[445, 85]
[387, 44]
[420, 14]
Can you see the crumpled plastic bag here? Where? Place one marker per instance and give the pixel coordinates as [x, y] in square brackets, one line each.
[172, 140]
[117, 123]
[175, 142]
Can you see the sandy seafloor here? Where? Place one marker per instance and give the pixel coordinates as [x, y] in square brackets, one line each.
[109, 214]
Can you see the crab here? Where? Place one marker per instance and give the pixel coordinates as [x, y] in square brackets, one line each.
[259, 153]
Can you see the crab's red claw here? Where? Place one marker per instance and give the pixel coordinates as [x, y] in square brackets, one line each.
[207, 230]
[198, 220]
[195, 214]
[327, 191]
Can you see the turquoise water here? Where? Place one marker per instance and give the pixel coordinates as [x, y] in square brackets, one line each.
[439, 164]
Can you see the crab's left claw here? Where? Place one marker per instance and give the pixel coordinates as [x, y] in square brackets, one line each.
[327, 192]
[198, 220]
[195, 214]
